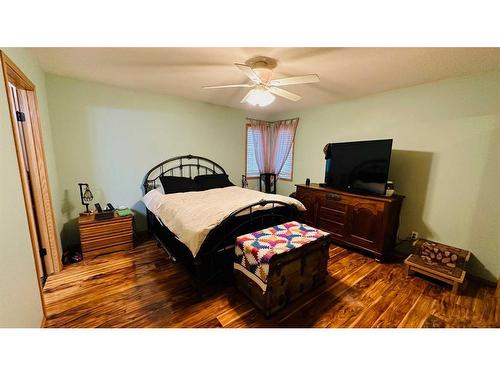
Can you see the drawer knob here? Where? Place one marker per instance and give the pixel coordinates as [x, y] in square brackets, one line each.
[333, 196]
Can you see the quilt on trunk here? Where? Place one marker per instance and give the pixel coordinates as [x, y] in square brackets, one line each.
[255, 250]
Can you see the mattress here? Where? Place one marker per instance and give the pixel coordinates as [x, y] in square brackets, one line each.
[191, 216]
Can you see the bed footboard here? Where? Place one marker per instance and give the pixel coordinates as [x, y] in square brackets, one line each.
[216, 256]
[216, 259]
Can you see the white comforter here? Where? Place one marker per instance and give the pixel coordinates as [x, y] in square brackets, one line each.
[191, 216]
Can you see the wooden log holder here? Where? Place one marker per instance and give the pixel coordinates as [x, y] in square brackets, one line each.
[439, 261]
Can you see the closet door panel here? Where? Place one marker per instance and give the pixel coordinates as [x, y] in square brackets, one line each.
[35, 178]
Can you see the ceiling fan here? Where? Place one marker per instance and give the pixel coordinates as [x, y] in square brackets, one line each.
[260, 72]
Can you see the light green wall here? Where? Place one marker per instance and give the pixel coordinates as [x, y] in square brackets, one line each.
[20, 304]
[446, 157]
[110, 137]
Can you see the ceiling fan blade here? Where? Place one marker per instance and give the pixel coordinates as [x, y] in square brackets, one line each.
[285, 94]
[246, 96]
[248, 72]
[298, 80]
[228, 86]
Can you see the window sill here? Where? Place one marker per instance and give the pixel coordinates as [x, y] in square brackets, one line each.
[279, 178]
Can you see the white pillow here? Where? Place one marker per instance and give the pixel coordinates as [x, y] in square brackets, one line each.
[152, 200]
[160, 188]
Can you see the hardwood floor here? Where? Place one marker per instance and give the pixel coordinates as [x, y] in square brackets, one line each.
[143, 288]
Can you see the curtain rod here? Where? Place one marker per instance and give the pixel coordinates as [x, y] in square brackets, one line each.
[289, 119]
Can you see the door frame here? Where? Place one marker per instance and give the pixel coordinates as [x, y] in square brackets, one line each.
[14, 75]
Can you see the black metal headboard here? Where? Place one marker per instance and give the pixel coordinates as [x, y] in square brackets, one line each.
[184, 166]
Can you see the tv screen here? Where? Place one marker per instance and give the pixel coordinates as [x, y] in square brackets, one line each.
[359, 167]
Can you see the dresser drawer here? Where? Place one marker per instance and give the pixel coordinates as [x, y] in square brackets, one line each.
[334, 201]
[338, 230]
[332, 215]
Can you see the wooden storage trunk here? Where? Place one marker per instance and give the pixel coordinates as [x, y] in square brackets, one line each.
[291, 275]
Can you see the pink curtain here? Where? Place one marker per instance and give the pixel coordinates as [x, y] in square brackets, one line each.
[272, 143]
[284, 136]
[262, 138]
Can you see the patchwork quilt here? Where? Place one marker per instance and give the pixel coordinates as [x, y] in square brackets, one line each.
[255, 250]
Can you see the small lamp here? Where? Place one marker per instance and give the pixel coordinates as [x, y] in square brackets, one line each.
[86, 196]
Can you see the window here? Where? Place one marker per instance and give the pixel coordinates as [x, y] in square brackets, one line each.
[287, 170]
[252, 170]
[282, 143]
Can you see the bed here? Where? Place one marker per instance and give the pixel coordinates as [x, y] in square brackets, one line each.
[199, 228]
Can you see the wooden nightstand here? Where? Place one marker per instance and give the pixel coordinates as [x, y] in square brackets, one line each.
[106, 236]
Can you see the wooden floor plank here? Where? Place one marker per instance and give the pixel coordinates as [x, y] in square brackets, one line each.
[400, 306]
[419, 312]
[313, 314]
[144, 288]
[338, 269]
[356, 298]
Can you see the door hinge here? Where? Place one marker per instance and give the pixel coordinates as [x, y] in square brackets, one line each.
[43, 251]
[20, 116]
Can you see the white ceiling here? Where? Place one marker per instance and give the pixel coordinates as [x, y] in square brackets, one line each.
[345, 73]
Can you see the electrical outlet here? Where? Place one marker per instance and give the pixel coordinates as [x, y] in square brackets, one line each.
[414, 235]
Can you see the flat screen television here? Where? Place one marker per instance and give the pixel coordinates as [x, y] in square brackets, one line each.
[359, 167]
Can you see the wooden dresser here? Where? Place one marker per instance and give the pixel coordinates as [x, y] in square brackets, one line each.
[369, 223]
[106, 236]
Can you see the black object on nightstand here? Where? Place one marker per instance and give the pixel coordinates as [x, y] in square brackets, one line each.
[106, 214]
[268, 183]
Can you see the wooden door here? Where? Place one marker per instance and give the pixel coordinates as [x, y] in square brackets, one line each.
[40, 265]
[37, 179]
[365, 224]
[26, 129]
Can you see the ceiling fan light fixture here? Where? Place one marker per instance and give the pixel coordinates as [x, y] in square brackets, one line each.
[259, 70]
[260, 97]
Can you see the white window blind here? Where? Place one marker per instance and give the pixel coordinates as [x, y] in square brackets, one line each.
[253, 169]
[284, 139]
[286, 171]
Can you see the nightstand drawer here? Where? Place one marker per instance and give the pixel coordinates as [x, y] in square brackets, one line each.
[97, 236]
[108, 241]
[108, 229]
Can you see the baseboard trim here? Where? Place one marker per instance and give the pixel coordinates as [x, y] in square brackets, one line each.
[483, 281]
